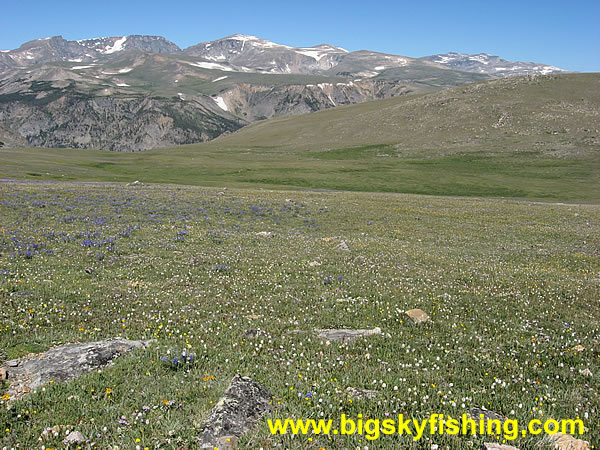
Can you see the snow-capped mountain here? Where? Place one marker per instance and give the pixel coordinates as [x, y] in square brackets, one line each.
[139, 92]
[490, 64]
[252, 54]
[150, 44]
[54, 49]
[244, 53]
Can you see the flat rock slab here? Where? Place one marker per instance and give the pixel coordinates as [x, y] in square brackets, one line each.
[417, 316]
[243, 404]
[346, 334]
[254, 334]
[361, 394]
[63, 363]
[494, 446]
[480, 413]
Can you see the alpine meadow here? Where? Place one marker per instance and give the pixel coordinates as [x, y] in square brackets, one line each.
[196, 243]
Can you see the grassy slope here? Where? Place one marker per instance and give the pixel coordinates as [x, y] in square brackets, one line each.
[511, 286]
[512, 137]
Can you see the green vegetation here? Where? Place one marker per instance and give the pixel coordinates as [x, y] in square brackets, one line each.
[511, 286]
[519, 137]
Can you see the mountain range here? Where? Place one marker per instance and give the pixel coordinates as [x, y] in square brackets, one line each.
[137, 92]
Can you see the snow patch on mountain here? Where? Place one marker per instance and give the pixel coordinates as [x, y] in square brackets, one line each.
[221, 103]
[210, 65]
[117, 46]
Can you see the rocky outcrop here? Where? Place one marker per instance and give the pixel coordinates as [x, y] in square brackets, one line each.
[253, 102]
[58, 118]
[63, 363]
[243, 403]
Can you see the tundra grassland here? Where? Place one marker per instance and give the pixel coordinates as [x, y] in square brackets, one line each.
[512, 289]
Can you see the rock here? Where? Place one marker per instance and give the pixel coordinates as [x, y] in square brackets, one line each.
[252, 334]
[586, 372]
[135, 183]
[361, 394]
[494, 446]
[53, 432]
[253, 316]
[64, 363]
[559, 441]
[417, 316]
[3, 374]
[265, 234]
[243, 403]
[89, 270]
[314, 264]
[579, 348]
[479, 413]
[343, 246]
[74, 438]
[346, 334]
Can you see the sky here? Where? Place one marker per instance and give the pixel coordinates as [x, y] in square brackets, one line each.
[556, 32]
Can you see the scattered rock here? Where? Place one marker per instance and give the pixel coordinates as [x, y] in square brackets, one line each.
[265, 234]
[89, 270]
[417, 316]
[578, 348]
[220, 193]
[243, 403]
[361, 394]
[480, 413]
[586, 372]
[74, 438]
[314, 264]
[343, 246]
[64, 363]
[252, 334]
[345, 334]
[494, 446]
[135, 183]
[3, 374]
[53, 432]
[559, 441]
[253, 316]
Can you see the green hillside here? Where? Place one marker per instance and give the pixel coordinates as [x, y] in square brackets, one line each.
[533, 137]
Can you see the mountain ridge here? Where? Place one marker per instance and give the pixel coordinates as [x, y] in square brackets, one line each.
[199, 92]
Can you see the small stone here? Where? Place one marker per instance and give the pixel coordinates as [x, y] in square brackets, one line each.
[346, 334]
[343, 246]
[361, 394]
[252, 334]
[253, 317]
[494, 446]
[3, 374]
[89, 270]
[586, 372]
[74, 438]
[265, 234]
[578, 348]
[479, 413]
[417, 316]
[560, 441]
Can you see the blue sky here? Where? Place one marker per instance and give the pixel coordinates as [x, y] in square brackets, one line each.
[560, 33]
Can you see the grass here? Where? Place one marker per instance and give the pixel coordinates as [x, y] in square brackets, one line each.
[368, 168]
[511, 286]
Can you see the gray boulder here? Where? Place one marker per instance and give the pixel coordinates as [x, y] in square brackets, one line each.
[242, 405]
[63, 363]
